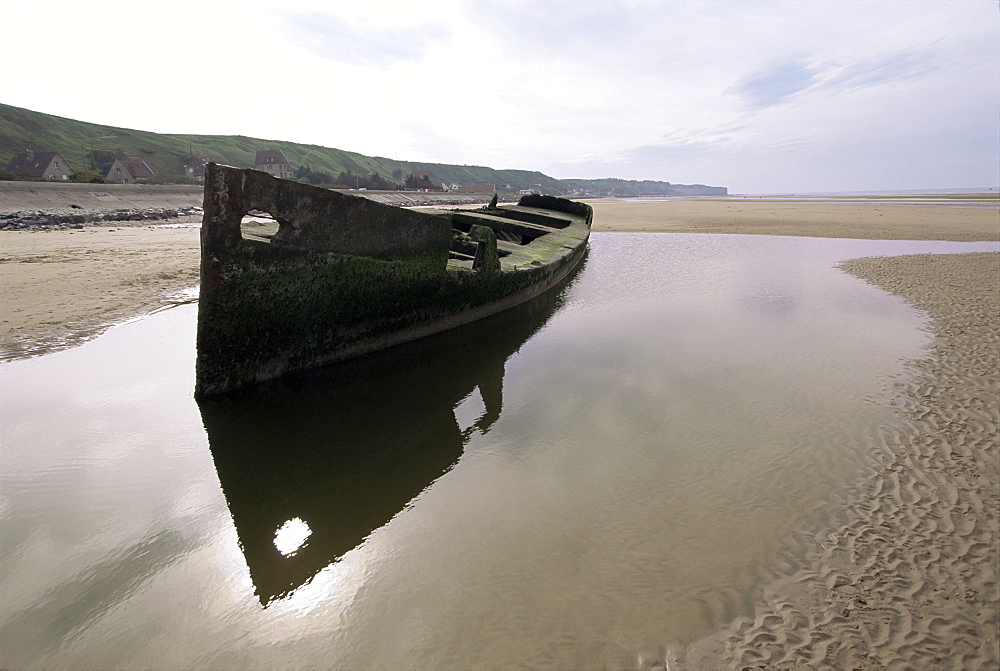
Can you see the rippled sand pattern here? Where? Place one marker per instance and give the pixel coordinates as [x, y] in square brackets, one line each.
[908, 578]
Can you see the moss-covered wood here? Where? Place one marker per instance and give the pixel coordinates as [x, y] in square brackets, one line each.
[271, 308]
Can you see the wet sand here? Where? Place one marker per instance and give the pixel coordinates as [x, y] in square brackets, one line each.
[64, 287]
[902, 572]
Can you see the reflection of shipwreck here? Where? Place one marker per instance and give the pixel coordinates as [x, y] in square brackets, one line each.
[344, 275]
[337, 452]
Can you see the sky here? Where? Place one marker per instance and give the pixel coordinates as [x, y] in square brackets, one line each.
[760, 97]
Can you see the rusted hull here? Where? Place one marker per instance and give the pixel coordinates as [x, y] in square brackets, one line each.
[343, 276]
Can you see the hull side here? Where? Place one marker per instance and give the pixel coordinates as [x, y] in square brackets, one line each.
[268, 309]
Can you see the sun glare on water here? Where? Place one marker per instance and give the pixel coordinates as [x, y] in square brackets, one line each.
[291, 536]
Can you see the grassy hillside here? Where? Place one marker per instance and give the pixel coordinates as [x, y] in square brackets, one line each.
[93, 147]
[88, 146]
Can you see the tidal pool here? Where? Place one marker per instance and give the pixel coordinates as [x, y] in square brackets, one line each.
[603, 472]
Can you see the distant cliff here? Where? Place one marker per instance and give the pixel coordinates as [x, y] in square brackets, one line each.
[626, 188]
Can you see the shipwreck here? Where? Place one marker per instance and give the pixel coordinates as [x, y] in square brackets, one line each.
[343, 275]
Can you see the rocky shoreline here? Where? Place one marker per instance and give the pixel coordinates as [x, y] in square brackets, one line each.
[55, 207]
[77, 218]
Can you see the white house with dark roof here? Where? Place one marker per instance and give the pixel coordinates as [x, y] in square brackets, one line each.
[273, 162]
[128, 170]
[39, 165]
[194, 169]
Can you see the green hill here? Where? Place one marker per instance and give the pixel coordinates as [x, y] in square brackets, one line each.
[94, 147]
[88, 146]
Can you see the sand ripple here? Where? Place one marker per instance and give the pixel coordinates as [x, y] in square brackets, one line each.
[909, 576]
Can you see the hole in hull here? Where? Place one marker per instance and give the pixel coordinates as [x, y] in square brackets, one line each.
[258, 225]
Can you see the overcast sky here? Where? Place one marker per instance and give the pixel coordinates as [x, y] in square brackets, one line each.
[760, 97]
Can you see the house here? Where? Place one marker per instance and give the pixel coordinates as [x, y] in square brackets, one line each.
[128, 170]
[39, 165]
[273, 162]
[194, 169]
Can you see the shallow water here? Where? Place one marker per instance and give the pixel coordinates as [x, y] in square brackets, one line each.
[607, 471]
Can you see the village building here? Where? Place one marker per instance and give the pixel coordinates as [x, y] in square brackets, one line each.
[128, 171]
[39, 165]
[273, 162]
[194, 169]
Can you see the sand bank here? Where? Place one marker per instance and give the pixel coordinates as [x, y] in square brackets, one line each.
[905, 572]
[62, 287]
[962, 219]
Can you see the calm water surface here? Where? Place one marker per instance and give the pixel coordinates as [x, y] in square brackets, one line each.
[604, 472]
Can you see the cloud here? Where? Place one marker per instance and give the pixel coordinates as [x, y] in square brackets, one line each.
[334, 39]
[774, 84]
[888, 68]
[774, 96]
[562, 28]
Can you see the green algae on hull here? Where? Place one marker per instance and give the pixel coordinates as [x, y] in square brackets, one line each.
[345, 275]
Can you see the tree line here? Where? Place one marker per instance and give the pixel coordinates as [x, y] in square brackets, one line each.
[346, 179]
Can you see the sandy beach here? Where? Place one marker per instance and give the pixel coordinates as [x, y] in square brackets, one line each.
[903, 572]
[963, 218]
[63, 287]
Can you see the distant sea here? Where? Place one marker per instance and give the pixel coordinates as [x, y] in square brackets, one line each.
[891, 192]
